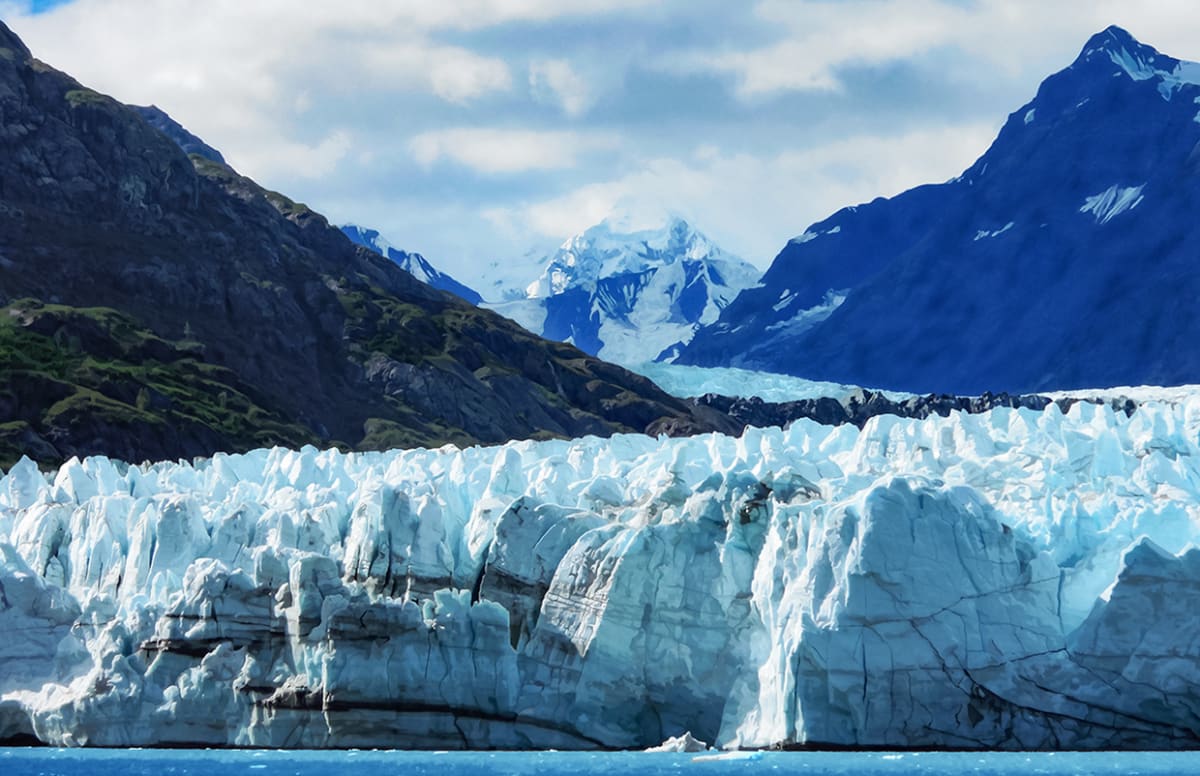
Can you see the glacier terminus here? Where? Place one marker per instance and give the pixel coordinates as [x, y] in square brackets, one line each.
[1017, 579]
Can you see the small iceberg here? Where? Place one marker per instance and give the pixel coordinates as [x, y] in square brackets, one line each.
[682, 743]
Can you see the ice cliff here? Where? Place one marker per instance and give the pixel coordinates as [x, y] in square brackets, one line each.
[1015, 579]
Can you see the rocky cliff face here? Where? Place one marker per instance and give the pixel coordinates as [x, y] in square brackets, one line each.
[1063, 258]
[157, 305]
[1015, 579]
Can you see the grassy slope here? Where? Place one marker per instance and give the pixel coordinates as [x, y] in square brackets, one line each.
[63, 369]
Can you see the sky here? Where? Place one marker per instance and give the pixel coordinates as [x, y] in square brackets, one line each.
[476, 131]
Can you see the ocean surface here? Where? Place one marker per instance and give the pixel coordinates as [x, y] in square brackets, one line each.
[194, 762]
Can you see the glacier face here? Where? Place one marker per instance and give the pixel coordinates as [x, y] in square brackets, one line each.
[1014, 579]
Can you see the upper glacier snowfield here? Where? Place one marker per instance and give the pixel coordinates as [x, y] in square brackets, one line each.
[1013, 579]
[686, 381]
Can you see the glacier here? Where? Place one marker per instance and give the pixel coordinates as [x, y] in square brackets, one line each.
[686, 381]
[1015, 579]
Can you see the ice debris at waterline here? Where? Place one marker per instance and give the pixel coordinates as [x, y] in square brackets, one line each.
[1010, 579]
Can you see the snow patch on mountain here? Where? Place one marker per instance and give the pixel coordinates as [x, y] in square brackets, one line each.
[983, 234]
[808, 236]
[1141, 68]
[1112, 202]
[805, 319]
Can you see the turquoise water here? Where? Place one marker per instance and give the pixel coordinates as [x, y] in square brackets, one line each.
[192, 762]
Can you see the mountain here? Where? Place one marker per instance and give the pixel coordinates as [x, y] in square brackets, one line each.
[160, 120]
[508, 279]
[1065, 257]
[628, 295]
[156, 305]
[1012, 580]
[413, 263]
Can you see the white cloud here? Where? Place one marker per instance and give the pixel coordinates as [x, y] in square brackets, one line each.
[332, 102]
[495, 151]
[476, 14]
[753, 204]
[816, 39]
[554, 80]
[305, 160]
[465, 77]
[238, 73]
[825, 36]
[452, 73]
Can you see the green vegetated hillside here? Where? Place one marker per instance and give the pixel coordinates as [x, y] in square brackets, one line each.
[155, 305]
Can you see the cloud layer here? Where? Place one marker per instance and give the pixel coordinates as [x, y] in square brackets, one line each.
[472, 130]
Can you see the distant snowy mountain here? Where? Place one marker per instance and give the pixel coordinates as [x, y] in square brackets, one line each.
[1065, 257]
[627, 295]
[413, 263]
[508, 279]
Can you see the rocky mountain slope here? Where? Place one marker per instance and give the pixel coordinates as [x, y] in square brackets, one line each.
[628, 295]
[1018, 579]
[1063, 258]
[413, 263]
[156, 305]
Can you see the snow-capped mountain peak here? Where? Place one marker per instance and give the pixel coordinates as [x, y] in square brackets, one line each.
[628, 291]
[413, 263]
[1141, 62]
[607, 250]
[1112, 40]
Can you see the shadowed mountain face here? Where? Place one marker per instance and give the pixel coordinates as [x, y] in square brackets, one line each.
[158, 305]
[1065, 257]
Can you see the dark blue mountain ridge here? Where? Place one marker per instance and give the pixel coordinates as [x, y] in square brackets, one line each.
[1067, 256]
[413, 263]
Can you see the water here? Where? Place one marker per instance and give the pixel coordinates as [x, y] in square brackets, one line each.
[197, 762]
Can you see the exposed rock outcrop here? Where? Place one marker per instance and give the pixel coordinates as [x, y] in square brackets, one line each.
[862, 405]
